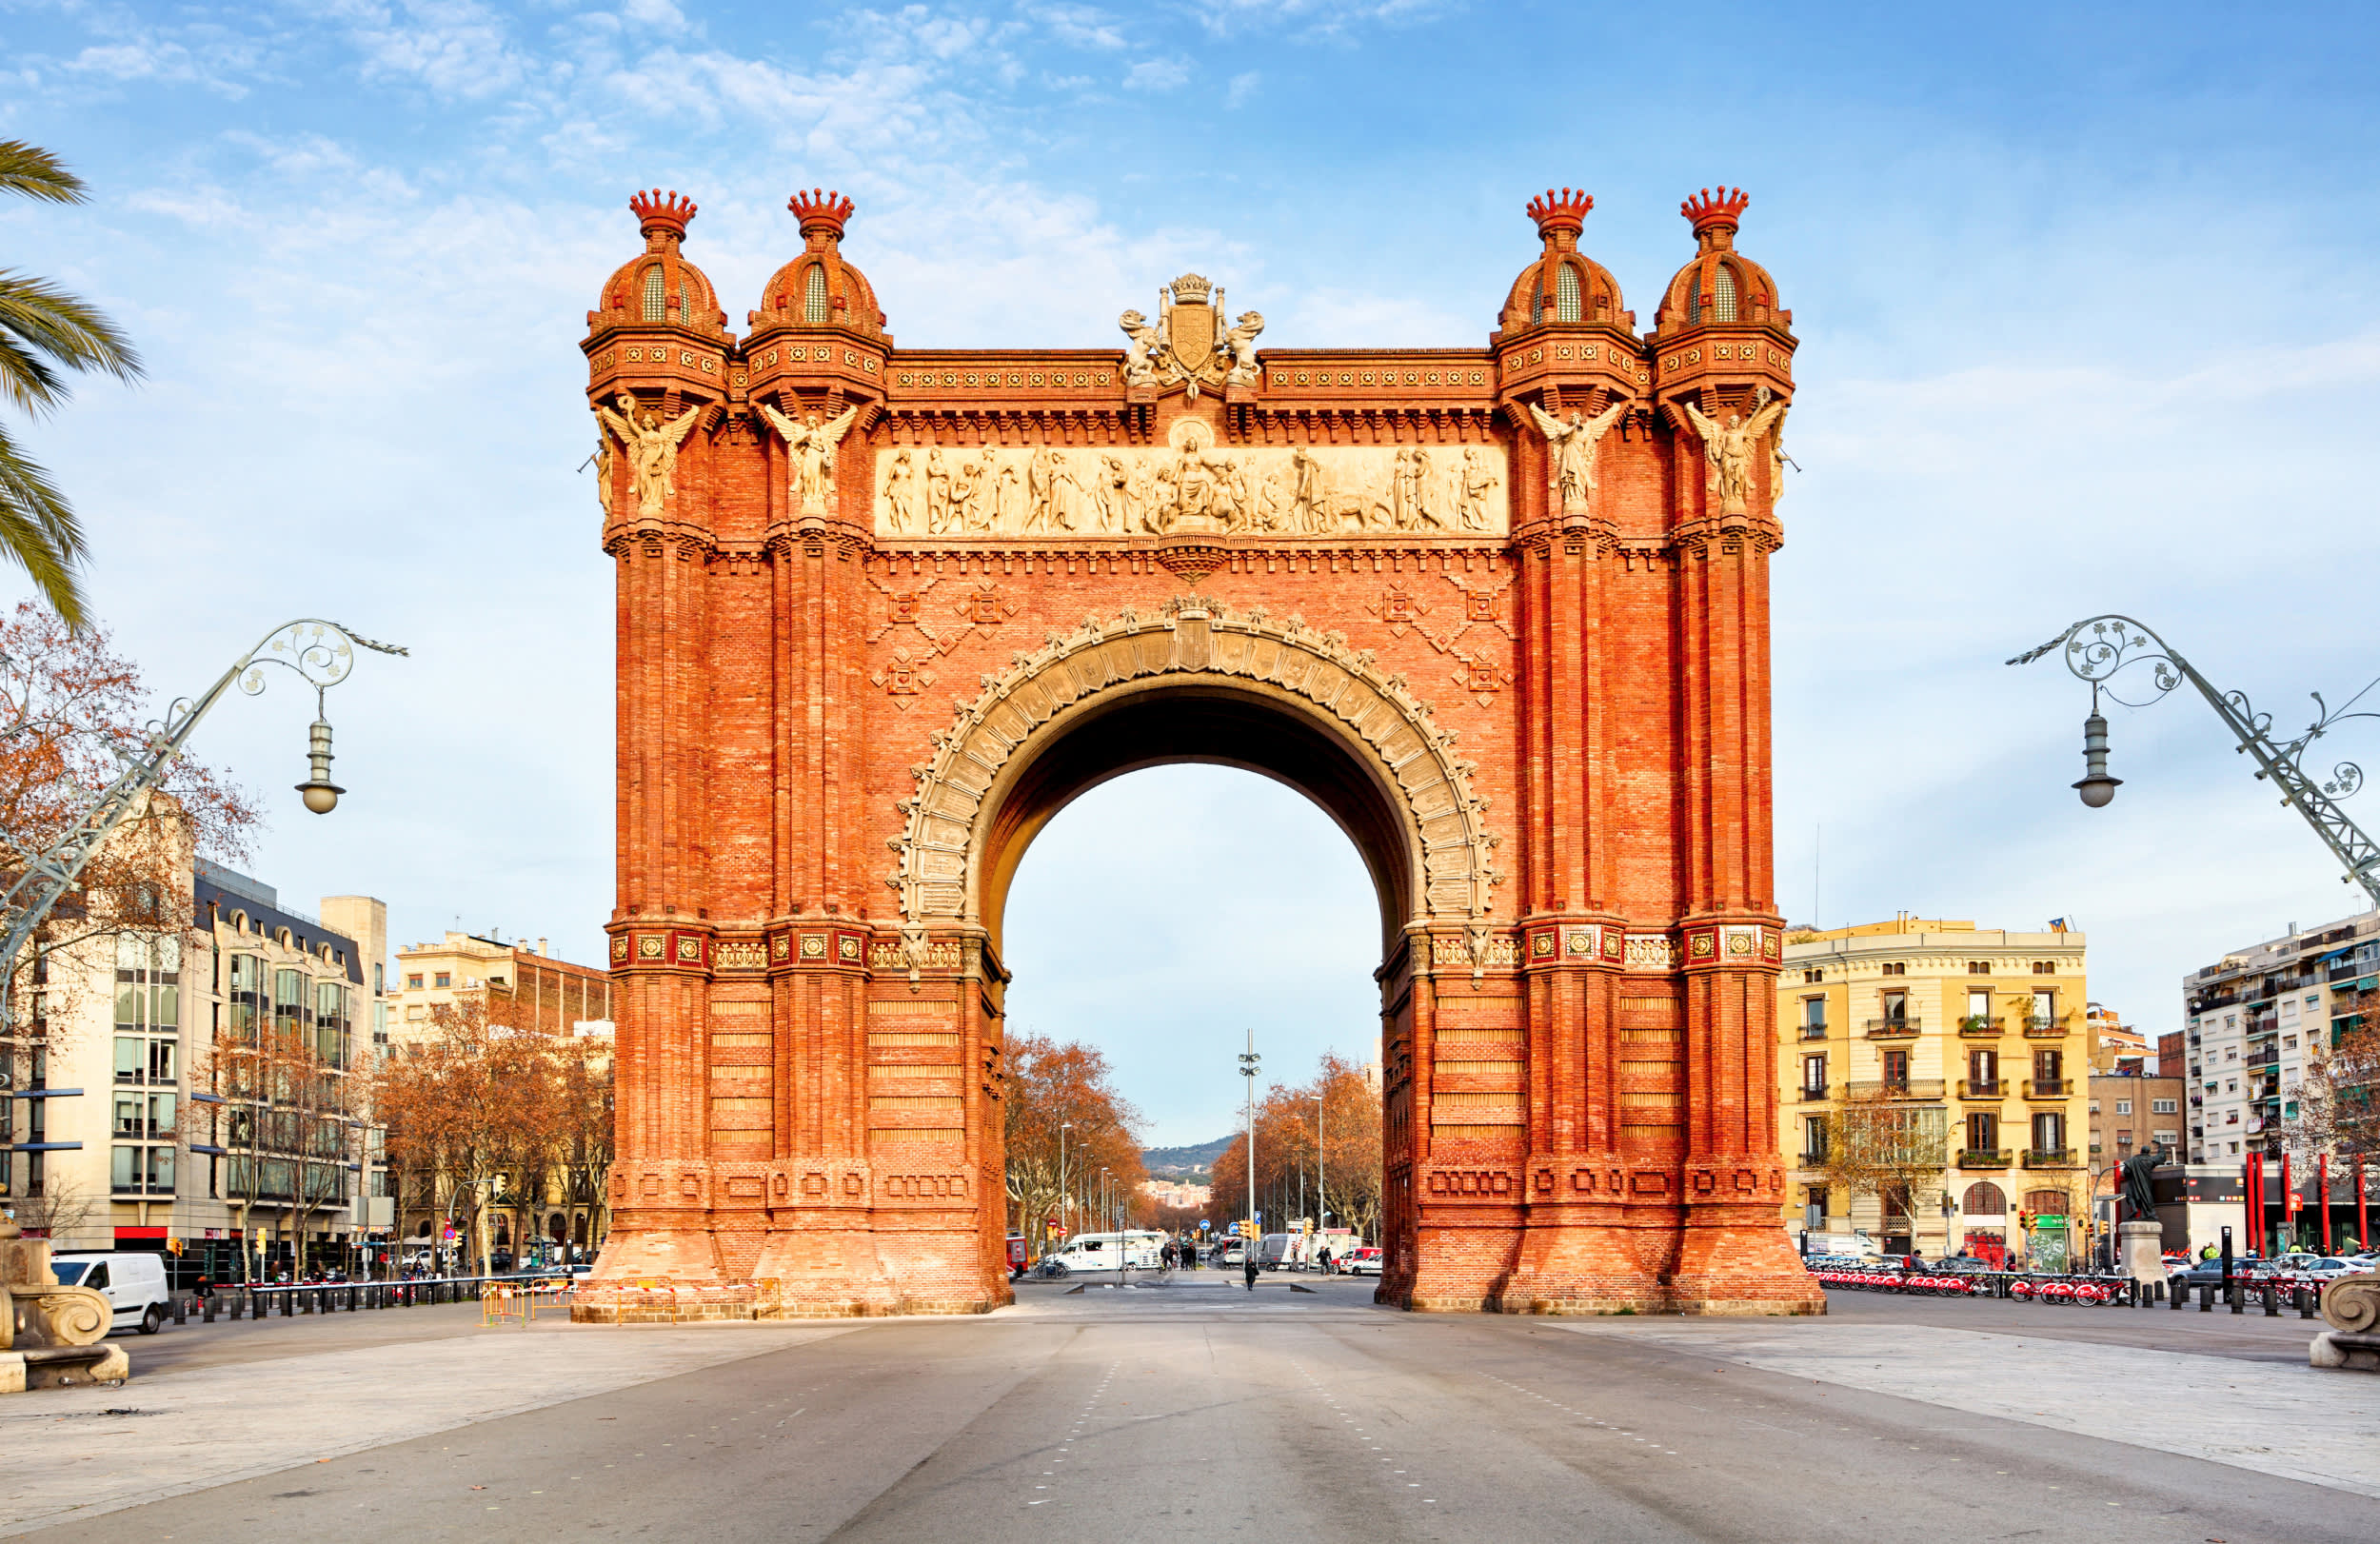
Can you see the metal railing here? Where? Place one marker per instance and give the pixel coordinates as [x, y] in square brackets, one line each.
[1981, 1157]
[1897, 1088]
[1810, 1094]
[2048, 1157]
[2048, 1088]
[1982, 1088]
[1886, 1028]
[1982, 1026]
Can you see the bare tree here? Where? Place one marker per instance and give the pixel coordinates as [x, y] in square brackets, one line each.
[2339, 1102]
[1891, 1149]
[61, 1208]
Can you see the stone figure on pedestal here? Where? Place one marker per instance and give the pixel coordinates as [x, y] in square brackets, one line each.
[1727, 447]
[652, 447]
[812, 444]
[1573, 446]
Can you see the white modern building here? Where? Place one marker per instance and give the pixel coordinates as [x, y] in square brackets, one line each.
[2252, 1019]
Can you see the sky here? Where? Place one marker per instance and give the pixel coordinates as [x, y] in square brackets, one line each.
[2083, 297]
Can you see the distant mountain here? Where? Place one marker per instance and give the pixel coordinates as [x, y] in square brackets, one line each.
[1180, 1162]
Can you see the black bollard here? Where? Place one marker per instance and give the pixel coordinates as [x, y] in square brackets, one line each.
[2206, 1296]
[2308, 1300]
[2271, 1300]
[2238, 1295]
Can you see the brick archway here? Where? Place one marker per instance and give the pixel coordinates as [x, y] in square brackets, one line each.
[1501, 611]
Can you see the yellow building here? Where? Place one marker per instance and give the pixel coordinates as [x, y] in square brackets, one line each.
[1972, 1046]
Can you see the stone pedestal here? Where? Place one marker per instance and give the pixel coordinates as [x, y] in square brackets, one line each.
[2140, 1250]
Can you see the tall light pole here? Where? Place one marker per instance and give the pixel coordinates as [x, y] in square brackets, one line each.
[2097, 648]
[1063, 1228]
[1249, 1061]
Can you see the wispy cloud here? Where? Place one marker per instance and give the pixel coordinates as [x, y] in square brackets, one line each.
[1158, 75]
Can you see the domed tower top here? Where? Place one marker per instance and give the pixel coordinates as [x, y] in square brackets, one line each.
[1721, 285]
[818, 288]
[659, 286]
[1563, 284]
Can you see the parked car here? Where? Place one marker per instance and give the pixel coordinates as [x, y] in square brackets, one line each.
[1366, 1261]
[2210, 1272]
[134, 1283]
[2327, 1268]
[1960, 1264]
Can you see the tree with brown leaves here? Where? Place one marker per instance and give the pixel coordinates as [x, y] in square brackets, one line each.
[2339, 1102]
[1337, 1118]
[72, 711]
[1050, 1086]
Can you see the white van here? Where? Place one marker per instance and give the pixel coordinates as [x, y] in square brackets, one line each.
[134, 1283]
[1854, 1245]
[1112, 1251]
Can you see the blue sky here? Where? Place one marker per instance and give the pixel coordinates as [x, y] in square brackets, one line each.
[2082, 296]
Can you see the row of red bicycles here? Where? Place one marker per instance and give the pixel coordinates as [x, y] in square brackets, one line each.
[2084, 1290]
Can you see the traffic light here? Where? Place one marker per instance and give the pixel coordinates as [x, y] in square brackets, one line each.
[2024, 1220]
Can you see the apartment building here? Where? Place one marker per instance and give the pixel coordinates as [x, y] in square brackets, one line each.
[2254, 1017]
[530, 988]
[146, 1112]
[1973, 1041]
[2116, 1047]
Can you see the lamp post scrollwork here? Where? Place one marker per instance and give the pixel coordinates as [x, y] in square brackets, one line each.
[321, 653]
[2099, 649]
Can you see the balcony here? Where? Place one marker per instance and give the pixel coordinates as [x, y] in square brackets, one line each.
[1813, 1032]
[2039, 1028]
[2051, 1157]
[1812, 1095]
[2048, 1088]
[1894, 1029]
[1982, 1088]
[1973, 1157]
[1981, 1027]
[1897, 1088]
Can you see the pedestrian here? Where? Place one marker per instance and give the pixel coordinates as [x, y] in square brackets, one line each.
[1171, 1254]
[1248, 1255]
[204, 1290]
[1328, 1269]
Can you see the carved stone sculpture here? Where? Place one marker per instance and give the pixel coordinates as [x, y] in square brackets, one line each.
[1240, 340]
[812, 444]
[1727, 447]
[1573, 444]
[652, 447]
[1140, 350]
[50, 1335]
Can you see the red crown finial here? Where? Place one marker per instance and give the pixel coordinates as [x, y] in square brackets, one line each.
[658, 211]
[821, 208]
[1705, 208]
[1565, 210]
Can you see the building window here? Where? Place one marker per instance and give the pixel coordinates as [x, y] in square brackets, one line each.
[1983, 1133]
[1566, 306]
[1896, 1069]
[1979, 1008]
[814, 312]
[1814, 1074]
[2123, 1106]
[1812, 977]
[1984, 1198]
[2049, 1131]
[446, 978]
[1813, 1014]
[1896, 1007]
[1723, 292]
[1814, 1139]
[2048, 1066]
[2045, 967]
[656, 304]
[413, 982]
[1898, 967]
[1983, 1071]
[2164, 1107]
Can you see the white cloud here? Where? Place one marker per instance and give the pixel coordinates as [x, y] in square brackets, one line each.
[455, 47]
[1242, 86]
[1081, 27]
[1158, 75]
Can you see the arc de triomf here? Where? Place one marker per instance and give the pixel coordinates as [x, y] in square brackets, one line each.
[1502, 611]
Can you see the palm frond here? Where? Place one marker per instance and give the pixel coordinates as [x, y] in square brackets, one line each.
[39, 532]
[40, 325]
[35, 172]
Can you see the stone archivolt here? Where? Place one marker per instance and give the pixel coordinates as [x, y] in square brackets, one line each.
[1194, 638]
[1229, 554]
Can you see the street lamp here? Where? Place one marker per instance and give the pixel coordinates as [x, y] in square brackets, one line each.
[1064, 1226]
[321, 652]
[2099, 648]
[1249, 1061]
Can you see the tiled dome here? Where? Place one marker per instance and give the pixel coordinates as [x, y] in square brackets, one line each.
[659, 286]
[818, 288]
[1563, 284]
[1721, 285]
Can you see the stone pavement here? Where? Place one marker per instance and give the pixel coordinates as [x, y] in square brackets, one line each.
[1196, 1406]
[161, 1434]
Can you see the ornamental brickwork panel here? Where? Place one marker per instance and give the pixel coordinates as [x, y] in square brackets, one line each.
[1502, 611]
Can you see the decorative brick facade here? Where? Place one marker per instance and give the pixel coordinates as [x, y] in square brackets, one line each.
[1503, 611]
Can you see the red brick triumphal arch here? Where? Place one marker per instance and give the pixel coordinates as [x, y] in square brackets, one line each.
[1502, 611]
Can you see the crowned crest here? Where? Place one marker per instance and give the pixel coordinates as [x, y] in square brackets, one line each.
[1190, 344]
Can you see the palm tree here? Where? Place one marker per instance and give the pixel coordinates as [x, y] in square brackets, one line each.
[45, 331]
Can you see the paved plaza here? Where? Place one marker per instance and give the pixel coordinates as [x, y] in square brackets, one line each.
[1199, 1407]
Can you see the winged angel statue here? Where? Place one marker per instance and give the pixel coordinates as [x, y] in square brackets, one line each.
[1727, 444]
[1574, 449]
[652, 447]
[812, 444]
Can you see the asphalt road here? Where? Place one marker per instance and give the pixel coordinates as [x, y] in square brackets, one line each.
[1202, 1410]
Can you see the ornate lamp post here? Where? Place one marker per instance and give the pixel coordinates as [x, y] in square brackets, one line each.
[2097, 650]
[322, 653]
